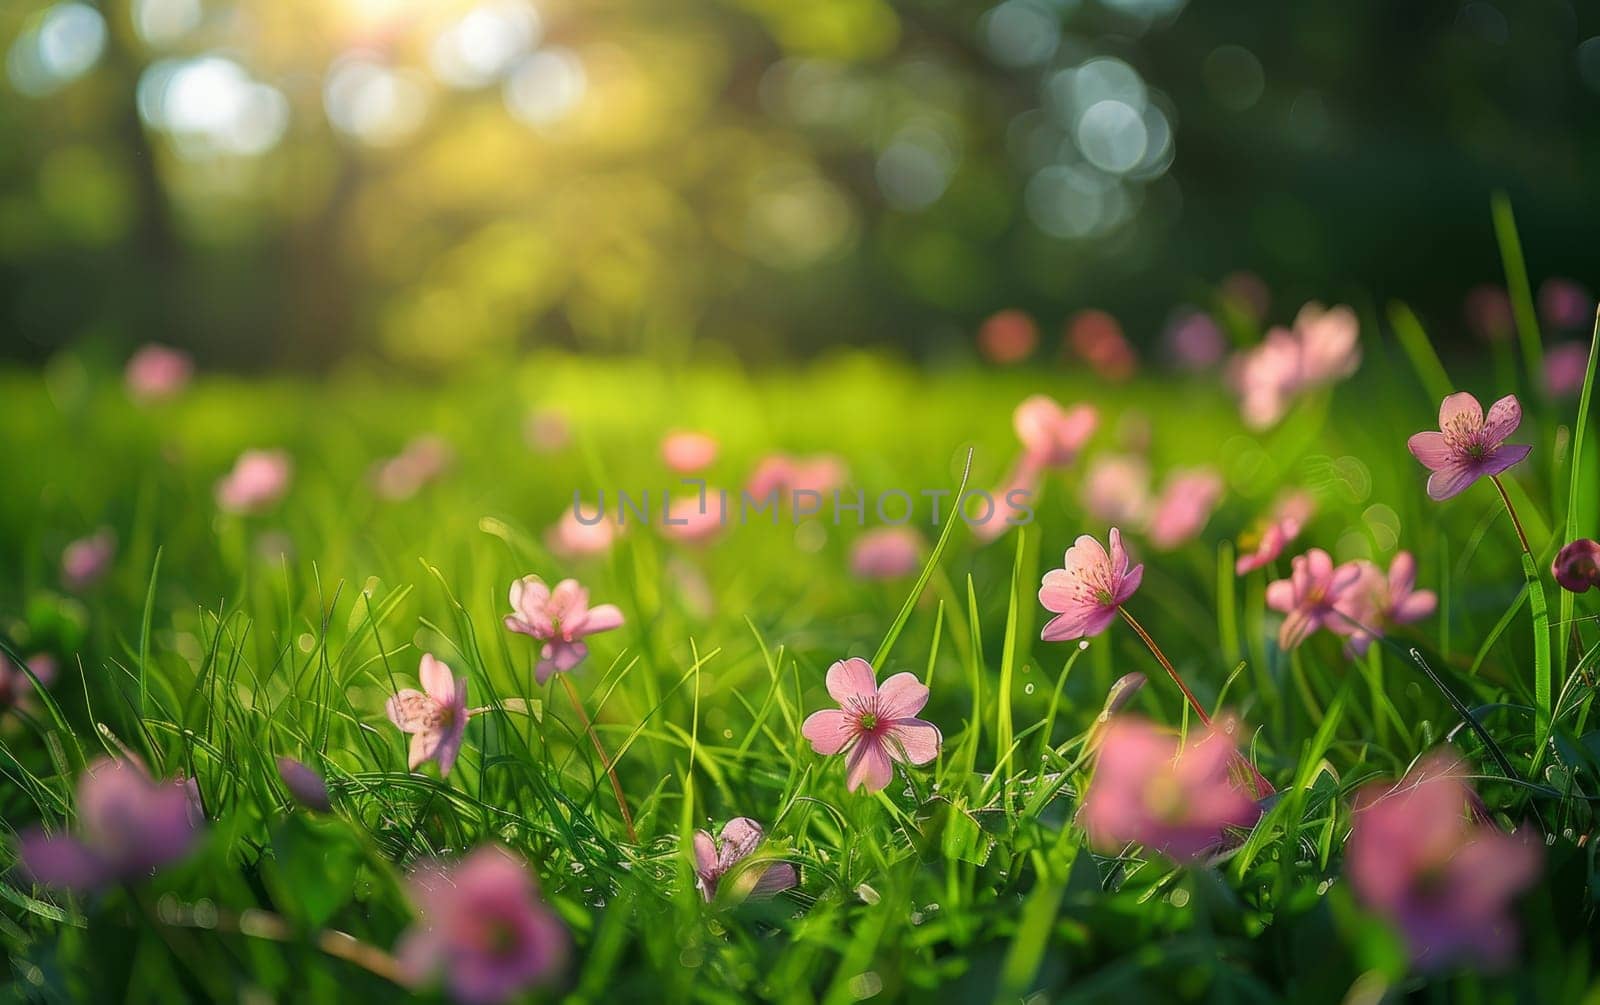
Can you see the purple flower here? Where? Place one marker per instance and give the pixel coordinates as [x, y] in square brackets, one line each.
[483, 928]
[1085, 593]
[1577, 566]
[1488, 313]
[1445, 881]
[436, 717]
[560, 618]
[714, 859]
[128, 825]
[16, 690]
[877, 726]
[1564, 303]
[1177, 802]
[1311, 596]
[1468, 445]
[307, 787]
[1566, 367]
[87, 559]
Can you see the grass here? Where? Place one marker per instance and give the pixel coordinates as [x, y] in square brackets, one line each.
[219, 642]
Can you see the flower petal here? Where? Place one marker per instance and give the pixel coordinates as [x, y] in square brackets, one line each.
[410, 709]
[423, 746]
[61, 861]
[602, 619]
[1431, 448]
[1504, 457]
[852, 679]
[1504, 417]
[739, 838]
[1460, 407]
[775, 880]
[915, 741]
[901, 696]
[1452, 480]
[705, 859]
[829, 731]
[870, 766]
[437, 680]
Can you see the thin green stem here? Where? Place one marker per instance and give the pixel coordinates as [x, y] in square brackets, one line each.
[1516, 522]
[605, 759]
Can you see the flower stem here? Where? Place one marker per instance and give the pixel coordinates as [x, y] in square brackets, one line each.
[1522, 536]
[605, 759]
[1263, 787]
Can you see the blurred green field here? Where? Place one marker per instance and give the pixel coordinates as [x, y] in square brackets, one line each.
[219, 642]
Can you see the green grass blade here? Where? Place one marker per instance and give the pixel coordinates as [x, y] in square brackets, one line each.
[1521, 291]
[900, 619]
[1419, 349]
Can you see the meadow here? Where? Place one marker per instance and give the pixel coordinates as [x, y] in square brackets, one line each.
[223, 632]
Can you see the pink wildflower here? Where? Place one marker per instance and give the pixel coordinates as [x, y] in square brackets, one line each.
[547, 431]
[713, 859]
[1446, 882]
[1085, 593]
[1007, 337]
[1566, 366]
[1184, 507]
[157, 372]
[17, 692]
[560, 618]
[483, 928]
[1488, 313]
[422, 461]
[436, 717]
[575, 538]
[1194, 341]
[1577, 565]
[259, 478]
[1097, 337]
[1269, 544]
[1564, 303]
[877, 726]
[1051, 435]
[696, 520]
[1177, 802]
[1323, 347]
[688, 452]
[1468, 446]
[1311, 595]
[886, 553]
[786, 475]
[1380, 601]
[87, 559]
[1116, 489]
[307, 787]
[128, 825]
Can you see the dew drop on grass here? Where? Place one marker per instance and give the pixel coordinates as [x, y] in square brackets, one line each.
[1027, 689]
[306, 642]
[916, 917]
[727, 734]
[1083, 644]
[867, 894]
[1324, 886]
[576, 867]
[864, 986]
[1179, 898]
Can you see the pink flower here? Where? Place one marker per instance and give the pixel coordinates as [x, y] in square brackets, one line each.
[1565, 304]
[1310, 597]
[1469, 446]
[1007, 337]
[1269, 545]
[877, 726]
[1178, 802]
[1051, 435]
[128, 825]
[547, 431]
[1097, 337]
[886, 553]
[157, 372]
[1323, 347]
[307, 787]
[423, 460]
[698, 519]
[1184, 507]
[436, 717]
[686, 452]
[1566, 366]
[1577, 566]
[1116, 489]
[1446, 882]
[87, 559]
[1085, 593]
[575, 538]
[787, 475]
[1381, 601]
[16, 690]
[1012, 501]
[1488, 313]
[483, 928]
[1194, 341]
[561, 619]
[259, 478]
[713, 860]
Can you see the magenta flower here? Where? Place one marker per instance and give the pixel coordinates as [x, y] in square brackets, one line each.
[1310, 597]
[483, 928]
[259, 478]
[1380, 601]
[1194, 341]
[87, 559]
[575, 538]
[1577, 566]
[876, 726]
[1051, 435]
[1445, 881]
[561, 619]
[1488, 313]
[1564, 303]
[688, 452]
[714, 859]
[128, 826]
[157, 372]
[1086, 591]
[1116, 489]
[1269, 545]
[1468, 445]
[1177, 802]
[1184, 507]
[307, 787]
[1566, 366]
[436, 717]
[886, 553]
[16, 690]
